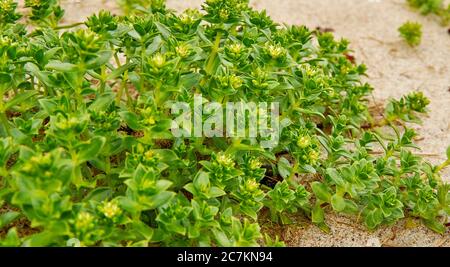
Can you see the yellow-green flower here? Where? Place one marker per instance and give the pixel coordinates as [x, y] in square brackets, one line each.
[84, 220]
[275, 51]
[182, 50]
[110, 209]
[224, 14]
[255, 164]
[235, 48]
[225, 160]
[251, 185]
[236, 81]
[158, 60]
[149, 155]
[313, 157]
[304, 141]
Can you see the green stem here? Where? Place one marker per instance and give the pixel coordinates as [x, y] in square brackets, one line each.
[443, 166]
[117, 60]
[119, 94]
[68, 26]
[213, 55]
[103, 80]
[293, 172]
[79, 98]
[157, 93]
[127, 92]
[141, 80]
[382, 123]
[122, 85]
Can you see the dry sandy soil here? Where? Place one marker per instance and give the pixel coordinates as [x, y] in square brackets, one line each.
[394, 69]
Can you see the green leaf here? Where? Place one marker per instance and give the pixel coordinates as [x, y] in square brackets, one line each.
[143, 229]
[335, 176]
[8, 218]
[61, 66]
[48, 105]
[216, 192]
[448, 153]
[131, 119]
[435, 226]
[163, 30]
[102, 102]
[43, 77]
[72, 79]
[350, 207]
[51, 53]
[154, 46]
[5, 78]
[201, 181]
[99, 194]
[284, 167]
[161, 126]
[41, 239]
[221, 238]
[11, 239]
[90, 149]
[101, 59]
[317, 214]
[308, 169]
[20, 98]
[166, 155]
[374, 218]
[338, 203]
[321, 191]
[310, 112]
[160, 199]
[129, 204]
[119, 71]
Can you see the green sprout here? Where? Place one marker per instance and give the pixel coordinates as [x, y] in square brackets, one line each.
[411, 32]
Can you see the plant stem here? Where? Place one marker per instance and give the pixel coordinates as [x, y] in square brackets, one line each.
[127, 92]
[157, 93]
[141, 80]
[293, 172]
[68, 26]
[213, 55]
[443, 166]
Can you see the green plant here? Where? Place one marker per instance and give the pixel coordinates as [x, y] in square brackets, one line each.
[8, 12]
[87, 156]
[45, 12]
[411, 32]
[432, 7]
[133, 6]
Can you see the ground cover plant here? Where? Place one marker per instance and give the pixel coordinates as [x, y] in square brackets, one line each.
[411, 32]
[87, 157]
[435, 7]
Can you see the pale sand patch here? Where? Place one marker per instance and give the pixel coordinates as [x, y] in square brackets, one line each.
[394, 69]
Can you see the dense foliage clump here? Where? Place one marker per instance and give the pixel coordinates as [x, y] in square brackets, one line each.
[87, 156]
[435, 7]
[411, 32]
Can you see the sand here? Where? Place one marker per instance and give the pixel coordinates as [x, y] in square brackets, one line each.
[394, 69]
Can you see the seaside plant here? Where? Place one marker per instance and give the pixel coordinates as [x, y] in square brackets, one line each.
[411, 32]
[88, 158]
[436, 7]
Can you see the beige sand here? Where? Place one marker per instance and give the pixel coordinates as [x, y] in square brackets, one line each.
[394, 69]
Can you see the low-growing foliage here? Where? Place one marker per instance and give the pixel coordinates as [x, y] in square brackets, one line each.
[411, 32]
[87, 157]
[435, 7]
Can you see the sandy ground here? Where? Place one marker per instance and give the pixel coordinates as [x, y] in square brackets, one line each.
[394, 70]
